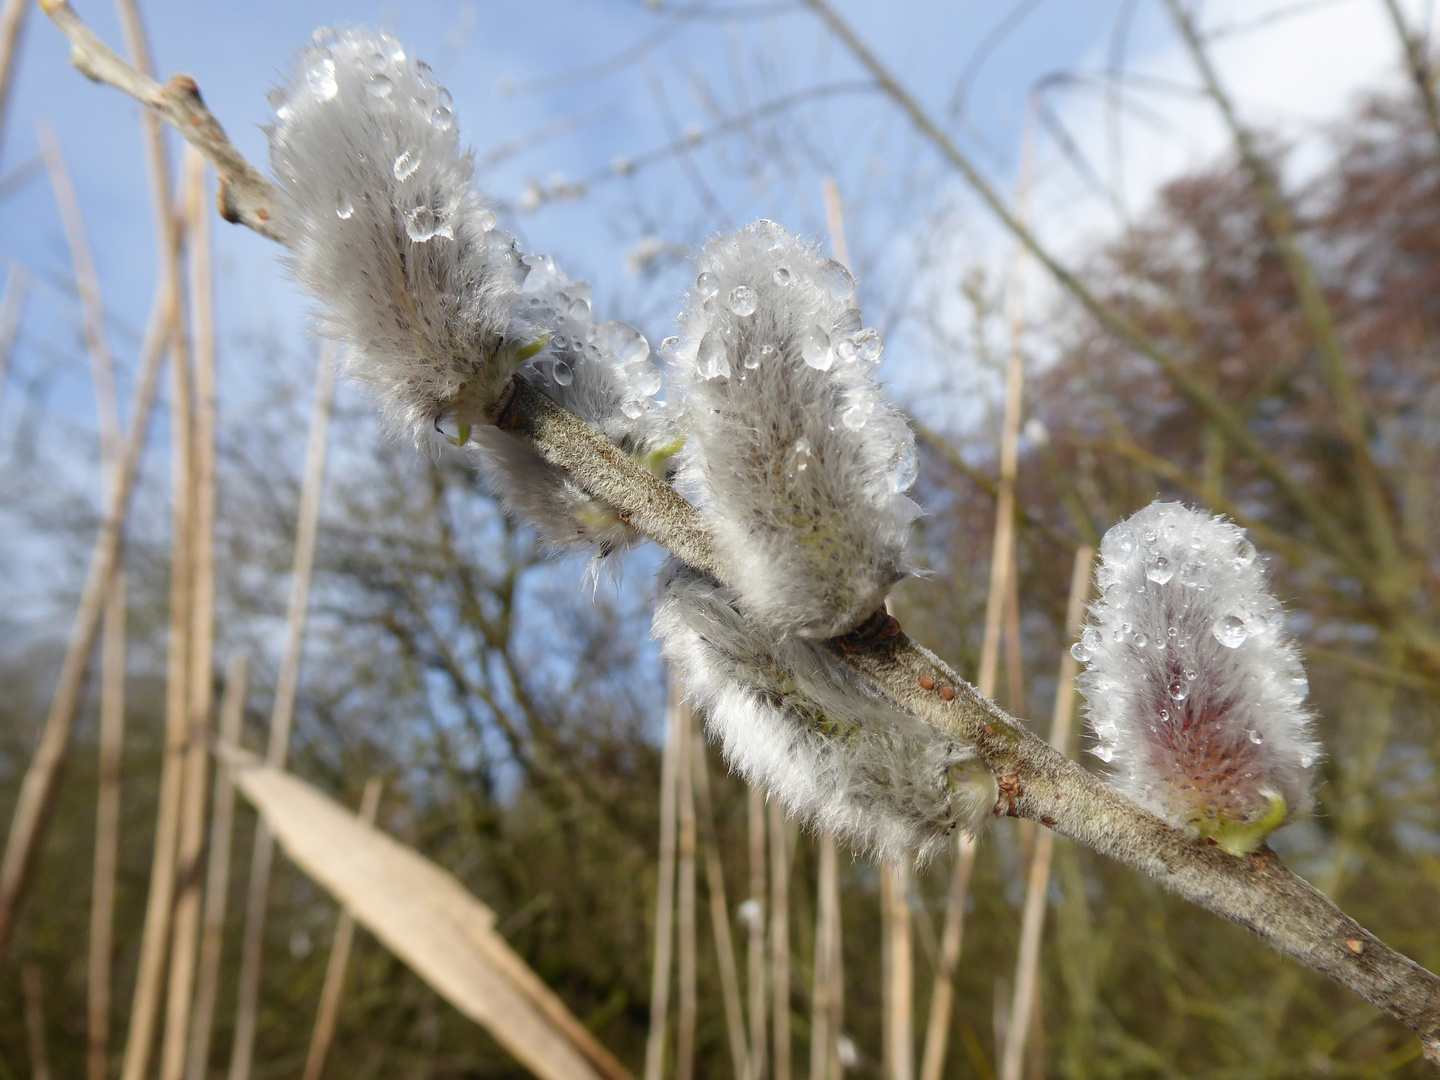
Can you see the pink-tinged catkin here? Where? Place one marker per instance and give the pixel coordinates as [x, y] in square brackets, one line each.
[1196, 696]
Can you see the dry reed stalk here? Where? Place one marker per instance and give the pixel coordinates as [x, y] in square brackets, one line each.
[329, 1012]
[755, 974]
[12, 305]
[781, 849]
[35, 1022]
[665, 888]
[1003, 594]
[12, 25]
[1027, 964]
[217, 874]
[41, 780]
[720, 915]
[898, 978]
[278, 742]
[824, 1025]
[159, 911]
[685, 897]
[200, 685]
[112, 645]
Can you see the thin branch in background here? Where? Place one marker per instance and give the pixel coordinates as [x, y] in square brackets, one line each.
[160, 909]
[329, 1012]
[781, 849]
[685, 898]
[755, 967]
[12, 307]
[1002, 571]
[42, 776]
[200, 680]
[1032, 921]
[35, 1022]
[897, 977]
[278, 741]
[665, 888]
[12, 27]
[720, 915]
[217, 875]
[828, 998]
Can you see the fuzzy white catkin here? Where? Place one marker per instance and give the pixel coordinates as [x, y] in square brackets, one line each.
[792, 718]
[1195, 693]
[603, 374]
[386, 233]
[798, 459]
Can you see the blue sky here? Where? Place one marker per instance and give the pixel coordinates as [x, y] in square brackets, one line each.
[567, 87]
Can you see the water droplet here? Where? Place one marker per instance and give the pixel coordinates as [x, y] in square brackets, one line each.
[815, 348]
[1160, 570]
[421, 224]
[1104, 752]
[1114, 594]
[708, 284]
[906, 469]
[743, 300]
[1191, 674]
[1191, 573]
[836, 280]
[669, 345]
[578, 309]
[781, 275]
[406, 164]
[1300, 685]
[713, 360]
[868, 345]
[1117, 635]
[855, 416]
[1080, 652]
[1140, 640]
[1308, 758]
[647, 380]
[1118, 545]
[1245, 552]
[1164, 716]
[1091, 639]
[634, 408]
[623, 342]
[1256, 737]
[1179, 689]
[1172, 633]
[562, 373]
[380, 86]
[442, 118]
[324, 38]
[344, 208]
[797, 459]
[846, 351]
[1230, 631]
[320, 78]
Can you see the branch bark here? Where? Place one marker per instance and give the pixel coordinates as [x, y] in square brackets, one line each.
[1039, 783]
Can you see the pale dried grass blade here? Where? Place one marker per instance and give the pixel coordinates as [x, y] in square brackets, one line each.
[685, 899]
[217, 874]
[781, 848]
[426, 918]
[12, 26]
[12, 306]
[278, 741]
[898, 997]
[720, 916]
[1032, 923]
[200, 654]
[665, 888]
[756, 978]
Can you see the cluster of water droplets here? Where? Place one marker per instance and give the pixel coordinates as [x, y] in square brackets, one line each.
[1186, 635]
[616, 353]
[392, 80]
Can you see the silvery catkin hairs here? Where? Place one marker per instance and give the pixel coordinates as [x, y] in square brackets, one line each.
[603, 374]
[1195, 693]
[793, 718]
[799, 460]
[386, 233]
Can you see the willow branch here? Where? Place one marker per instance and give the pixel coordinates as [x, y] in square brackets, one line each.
[1037, 782]
[245, 196]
